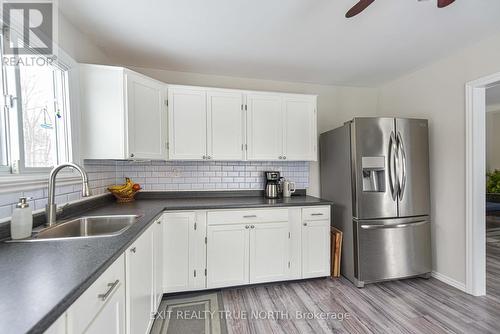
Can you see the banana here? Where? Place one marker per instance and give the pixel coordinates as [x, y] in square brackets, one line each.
[124, 187]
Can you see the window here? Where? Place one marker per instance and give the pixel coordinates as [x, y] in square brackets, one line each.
[34, 126]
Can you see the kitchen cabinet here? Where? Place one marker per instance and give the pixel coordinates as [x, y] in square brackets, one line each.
[187, 118]
[157, 229]
[123, 114]
[184, 252]
[269, 257]
[264, 126]
[205, 124]
[300, 128]
[315, 242]
[101, 308]
[225, 125]
[281, 127]
[228, 255]
[247, 246]
[111, 318]
[139, 283]
[58, 327]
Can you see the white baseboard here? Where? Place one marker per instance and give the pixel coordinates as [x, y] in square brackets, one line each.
[450, 281]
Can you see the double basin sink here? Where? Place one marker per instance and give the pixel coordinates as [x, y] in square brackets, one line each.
[85, 227]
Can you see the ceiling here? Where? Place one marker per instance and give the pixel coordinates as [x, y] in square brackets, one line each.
[291, 40]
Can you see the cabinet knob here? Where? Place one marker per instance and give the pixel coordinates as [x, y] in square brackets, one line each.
[252, 226]
[305, 224]
[132, 155]
[284, 157]
[280, 157]
[247, 226]
[133, 249]
[204, 157]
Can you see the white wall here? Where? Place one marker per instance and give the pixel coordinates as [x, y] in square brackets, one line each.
[437, 92]
[77, 45]
[336, 104]
[492, 140]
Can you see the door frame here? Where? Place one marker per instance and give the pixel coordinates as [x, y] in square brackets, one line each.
[475, 188]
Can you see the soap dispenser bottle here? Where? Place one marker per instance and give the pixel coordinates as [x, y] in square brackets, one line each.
[21, 224]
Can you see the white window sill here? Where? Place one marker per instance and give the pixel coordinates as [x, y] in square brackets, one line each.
[24, 182]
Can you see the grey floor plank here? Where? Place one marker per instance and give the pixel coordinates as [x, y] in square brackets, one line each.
[406, 306]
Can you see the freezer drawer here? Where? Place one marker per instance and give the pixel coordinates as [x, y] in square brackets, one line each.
[392, 248]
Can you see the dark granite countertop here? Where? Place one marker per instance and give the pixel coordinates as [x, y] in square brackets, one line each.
[40, 280]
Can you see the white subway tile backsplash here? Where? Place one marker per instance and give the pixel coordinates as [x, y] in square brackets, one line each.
[165, 175]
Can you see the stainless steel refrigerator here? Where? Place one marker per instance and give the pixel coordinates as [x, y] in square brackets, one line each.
[376, 172]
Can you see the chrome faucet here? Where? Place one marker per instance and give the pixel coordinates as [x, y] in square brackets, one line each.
[51, 208]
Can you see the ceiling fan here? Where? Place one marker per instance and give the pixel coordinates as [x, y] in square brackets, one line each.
[362, 4]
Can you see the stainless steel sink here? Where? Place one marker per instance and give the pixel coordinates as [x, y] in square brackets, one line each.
[85, 227]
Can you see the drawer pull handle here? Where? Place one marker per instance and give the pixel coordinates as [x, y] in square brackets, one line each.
[250, 216]
[112, 286]
[316, 214]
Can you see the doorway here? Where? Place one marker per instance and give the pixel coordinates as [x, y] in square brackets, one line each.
[475, 122]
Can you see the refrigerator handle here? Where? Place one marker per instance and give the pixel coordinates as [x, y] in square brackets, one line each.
[393, 161]
[402, 153]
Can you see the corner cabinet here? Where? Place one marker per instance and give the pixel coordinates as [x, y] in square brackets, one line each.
[123, 114]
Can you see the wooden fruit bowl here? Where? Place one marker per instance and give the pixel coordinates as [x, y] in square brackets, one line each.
[125, 193]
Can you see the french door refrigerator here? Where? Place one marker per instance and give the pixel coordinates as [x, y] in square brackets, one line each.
[376, 172]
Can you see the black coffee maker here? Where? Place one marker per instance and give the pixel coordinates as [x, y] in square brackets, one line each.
[272, 184]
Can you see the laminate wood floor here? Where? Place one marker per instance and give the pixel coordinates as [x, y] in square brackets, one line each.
[407, 306]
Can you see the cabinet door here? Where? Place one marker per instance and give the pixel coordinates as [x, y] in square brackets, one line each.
[315, 248]
[269, 260]
[139, 270]
[265, 127]
[147, 121]
[300, 139]
[184, 251]
[187, 123]
[158, 262]
[225, 138]
[111, 318]
[227, 255]
[58, 327]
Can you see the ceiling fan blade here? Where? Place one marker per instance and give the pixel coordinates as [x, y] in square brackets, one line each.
[359, 7]
[444, 3]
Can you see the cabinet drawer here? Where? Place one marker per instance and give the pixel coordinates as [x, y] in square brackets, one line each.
[85, 308]
[247, 216]
[316, 213]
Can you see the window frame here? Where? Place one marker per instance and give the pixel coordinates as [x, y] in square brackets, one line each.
[31, 177]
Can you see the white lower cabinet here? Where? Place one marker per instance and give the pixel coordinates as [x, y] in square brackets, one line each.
[139, 284]
[196, 250]
[111, 318]
[315, 248]
[101, 308]
[184, 258]
[227, 255]
[269, 259]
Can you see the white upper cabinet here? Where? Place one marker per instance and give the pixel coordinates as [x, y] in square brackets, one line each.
[147, 130]
[225, 125]
[122, 113]
[187, 119]
[126, 115]
[300, 134]
[264, 126]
